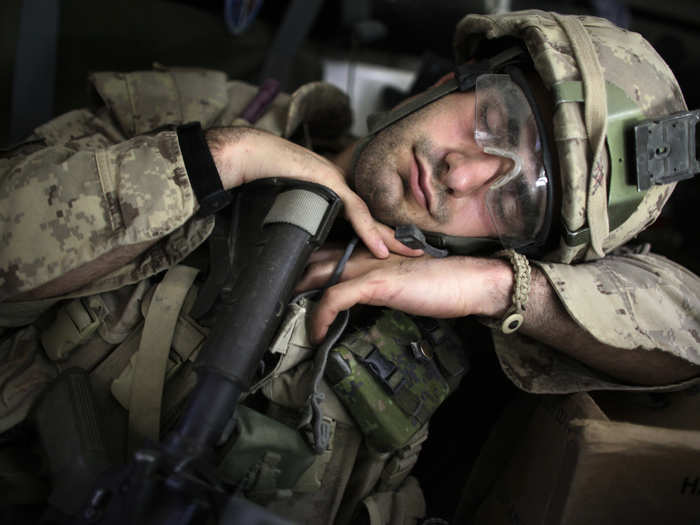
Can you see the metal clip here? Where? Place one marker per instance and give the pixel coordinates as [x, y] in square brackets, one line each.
[421, 350]
[411, 236]
[666, 149]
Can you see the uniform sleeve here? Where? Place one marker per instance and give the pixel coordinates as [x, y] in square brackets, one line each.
[643, 302]
[64, 205]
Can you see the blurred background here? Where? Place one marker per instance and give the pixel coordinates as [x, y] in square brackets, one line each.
[379, 51]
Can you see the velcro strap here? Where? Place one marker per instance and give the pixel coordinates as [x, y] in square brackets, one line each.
[302, 208]
[411, 404]
[358, 345]
[74, 324]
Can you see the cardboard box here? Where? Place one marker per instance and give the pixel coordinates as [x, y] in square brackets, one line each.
[603, 459]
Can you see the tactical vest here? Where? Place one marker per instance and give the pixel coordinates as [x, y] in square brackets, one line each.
[382, 384]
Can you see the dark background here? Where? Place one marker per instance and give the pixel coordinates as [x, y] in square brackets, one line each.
[79, 36]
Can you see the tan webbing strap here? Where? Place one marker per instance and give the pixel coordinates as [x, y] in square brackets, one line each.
[596, 113]
[151, 359]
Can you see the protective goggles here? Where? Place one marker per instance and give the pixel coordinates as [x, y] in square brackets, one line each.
[507, 126]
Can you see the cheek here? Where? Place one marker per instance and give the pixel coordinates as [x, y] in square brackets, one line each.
[469, 218]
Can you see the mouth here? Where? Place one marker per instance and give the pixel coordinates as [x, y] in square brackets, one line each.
[419, 183]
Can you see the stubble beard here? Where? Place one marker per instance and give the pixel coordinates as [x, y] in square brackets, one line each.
[376, 178]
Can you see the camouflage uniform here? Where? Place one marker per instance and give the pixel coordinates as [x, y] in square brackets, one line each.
[90, 182]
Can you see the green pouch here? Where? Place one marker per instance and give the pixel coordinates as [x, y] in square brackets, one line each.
[392, 377]
[265, 456]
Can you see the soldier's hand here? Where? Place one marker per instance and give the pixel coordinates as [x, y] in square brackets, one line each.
[446, 288]
[243, 155]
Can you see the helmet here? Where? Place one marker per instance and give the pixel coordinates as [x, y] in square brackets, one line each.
[603, 81]
[586, 62]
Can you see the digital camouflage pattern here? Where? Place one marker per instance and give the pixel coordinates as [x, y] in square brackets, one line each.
[628, 61]
[389, 413]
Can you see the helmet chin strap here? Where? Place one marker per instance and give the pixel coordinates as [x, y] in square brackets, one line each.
[413, 237]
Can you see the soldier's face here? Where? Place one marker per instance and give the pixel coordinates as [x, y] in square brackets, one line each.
[427, 169]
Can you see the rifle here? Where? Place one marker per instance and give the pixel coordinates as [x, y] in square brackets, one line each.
[174, 481]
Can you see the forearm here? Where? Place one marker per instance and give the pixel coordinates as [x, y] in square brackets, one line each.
[460, 286]
[547, 321]
[243, 154]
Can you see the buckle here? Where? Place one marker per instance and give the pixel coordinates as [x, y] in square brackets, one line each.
[384, 370]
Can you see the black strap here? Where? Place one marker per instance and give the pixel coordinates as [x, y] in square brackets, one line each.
[201, 170]
[467, 73]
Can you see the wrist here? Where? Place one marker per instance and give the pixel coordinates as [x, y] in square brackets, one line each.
[500, 284]
[243, 155]
[224, 145]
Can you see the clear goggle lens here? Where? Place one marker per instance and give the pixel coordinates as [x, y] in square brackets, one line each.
[506, 127]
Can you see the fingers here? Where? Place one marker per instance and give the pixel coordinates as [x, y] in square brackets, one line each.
[336, 299]
[256, 154]
[379, 238]
[365, 226]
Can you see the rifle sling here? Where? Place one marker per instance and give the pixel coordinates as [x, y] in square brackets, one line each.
[150, 360]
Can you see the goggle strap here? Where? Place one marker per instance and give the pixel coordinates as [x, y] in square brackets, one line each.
[378, 121]
[465, 79]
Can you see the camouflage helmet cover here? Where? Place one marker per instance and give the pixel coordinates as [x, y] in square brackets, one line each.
[622, 58]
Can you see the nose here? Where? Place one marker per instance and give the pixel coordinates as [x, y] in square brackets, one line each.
[464, 173]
